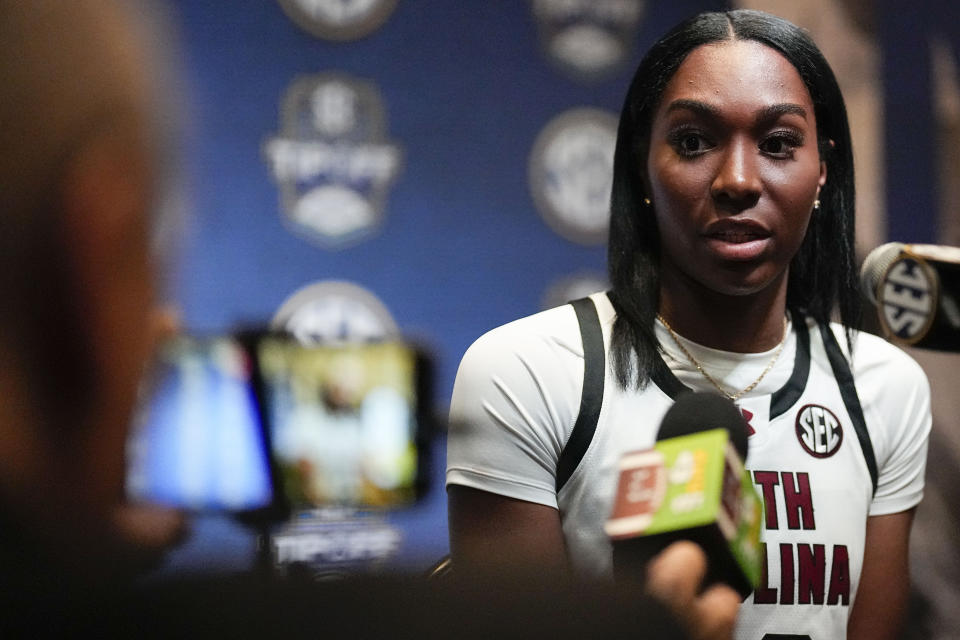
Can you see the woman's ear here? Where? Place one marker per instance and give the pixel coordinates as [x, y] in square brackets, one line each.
[645, 184]
[823, 167]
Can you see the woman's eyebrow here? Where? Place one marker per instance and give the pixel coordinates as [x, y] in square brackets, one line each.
[696, 106]
[774, 111]
[763, 115]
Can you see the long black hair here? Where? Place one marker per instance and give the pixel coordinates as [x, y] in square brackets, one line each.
[823, 273]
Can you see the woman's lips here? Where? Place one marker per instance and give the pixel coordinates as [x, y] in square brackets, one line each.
[737, 241]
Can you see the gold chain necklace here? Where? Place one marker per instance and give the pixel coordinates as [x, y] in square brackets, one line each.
[735, 396]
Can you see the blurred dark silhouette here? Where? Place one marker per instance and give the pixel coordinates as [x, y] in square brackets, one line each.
[84, 148]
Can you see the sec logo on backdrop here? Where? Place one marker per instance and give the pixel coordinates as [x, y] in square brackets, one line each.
[339, 20]
[571, 172]
[335, 311]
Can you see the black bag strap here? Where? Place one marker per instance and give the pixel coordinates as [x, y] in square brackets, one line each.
[591, 396]
[848, 391]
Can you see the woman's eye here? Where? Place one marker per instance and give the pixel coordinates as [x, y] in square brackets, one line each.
[780, 146]
[690, 143]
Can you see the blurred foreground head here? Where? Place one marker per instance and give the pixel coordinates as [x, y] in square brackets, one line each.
[79, 187]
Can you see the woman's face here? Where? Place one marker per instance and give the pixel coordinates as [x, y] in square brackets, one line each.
[733, 169]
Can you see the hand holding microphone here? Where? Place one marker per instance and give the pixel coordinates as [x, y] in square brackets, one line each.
[675, 577]
[691, 486]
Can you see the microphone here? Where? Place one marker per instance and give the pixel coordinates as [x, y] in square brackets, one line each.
[915, 288]
[691, 485]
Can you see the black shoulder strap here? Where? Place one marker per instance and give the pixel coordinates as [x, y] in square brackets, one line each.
[841, 371]
[591, 397]
[787, 395]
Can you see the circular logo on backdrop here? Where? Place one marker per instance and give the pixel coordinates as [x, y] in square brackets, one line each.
[338, 19]
[332, 160]
[588, 38]
[335, 311]
[571, 171]
[819, 431]
[907, 299]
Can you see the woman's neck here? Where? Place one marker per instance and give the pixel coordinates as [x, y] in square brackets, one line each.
[748, 323]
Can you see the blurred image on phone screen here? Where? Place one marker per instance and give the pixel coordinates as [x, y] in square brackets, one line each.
[343, 421]
[197, 442]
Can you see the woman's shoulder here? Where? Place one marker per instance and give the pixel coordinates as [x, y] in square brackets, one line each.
[879, 359]
[527, 374]
[553, 331]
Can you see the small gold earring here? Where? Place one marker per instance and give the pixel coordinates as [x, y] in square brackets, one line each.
[816, 204]
[646, 202]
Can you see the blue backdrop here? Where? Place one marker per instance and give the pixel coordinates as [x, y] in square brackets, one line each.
[466, 88]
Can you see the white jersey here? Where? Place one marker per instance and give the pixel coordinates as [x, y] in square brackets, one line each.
[518, 395]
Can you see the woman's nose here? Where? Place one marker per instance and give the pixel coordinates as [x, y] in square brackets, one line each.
[737, 183]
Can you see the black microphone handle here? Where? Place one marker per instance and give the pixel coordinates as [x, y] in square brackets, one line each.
[631, 557]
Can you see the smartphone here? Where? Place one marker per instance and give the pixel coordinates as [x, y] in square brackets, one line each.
[197, 441]
[345, 421]
[257, 424]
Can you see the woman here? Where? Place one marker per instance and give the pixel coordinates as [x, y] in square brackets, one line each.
[731, 243]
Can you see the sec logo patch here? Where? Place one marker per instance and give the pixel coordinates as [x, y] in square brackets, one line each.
[819, 431]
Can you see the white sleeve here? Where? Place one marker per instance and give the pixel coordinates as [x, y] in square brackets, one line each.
[895, 395]
[515, 399]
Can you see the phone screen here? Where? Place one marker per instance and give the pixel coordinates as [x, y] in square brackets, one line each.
[197, 442]
[343, 421]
